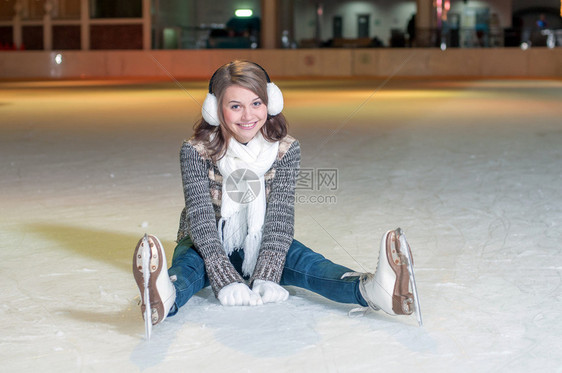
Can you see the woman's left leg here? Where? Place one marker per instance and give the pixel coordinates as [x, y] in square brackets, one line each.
[312, 271]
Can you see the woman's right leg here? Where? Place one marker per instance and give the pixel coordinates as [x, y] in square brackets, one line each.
[312, 271]
[187, 273]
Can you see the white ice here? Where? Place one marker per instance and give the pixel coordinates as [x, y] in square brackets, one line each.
[470, 170]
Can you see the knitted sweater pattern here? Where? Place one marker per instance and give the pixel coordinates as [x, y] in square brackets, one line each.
[202, 187]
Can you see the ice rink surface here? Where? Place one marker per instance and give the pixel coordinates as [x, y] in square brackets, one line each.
[470, 170]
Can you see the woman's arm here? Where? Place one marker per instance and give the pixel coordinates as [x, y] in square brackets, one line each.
[279, 218]
[201, 219]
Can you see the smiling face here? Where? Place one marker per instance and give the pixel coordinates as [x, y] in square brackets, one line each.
[244, 112]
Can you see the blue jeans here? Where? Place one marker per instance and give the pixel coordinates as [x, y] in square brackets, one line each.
[303, 268]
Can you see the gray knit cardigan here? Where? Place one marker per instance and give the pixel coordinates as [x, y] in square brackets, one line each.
[202, 187]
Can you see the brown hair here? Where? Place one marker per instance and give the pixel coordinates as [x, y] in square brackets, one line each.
[250, 76]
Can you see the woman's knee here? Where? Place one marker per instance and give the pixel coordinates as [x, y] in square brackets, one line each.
[300, 256]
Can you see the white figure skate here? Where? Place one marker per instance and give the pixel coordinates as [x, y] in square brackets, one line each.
[151, 274]
[393, 286]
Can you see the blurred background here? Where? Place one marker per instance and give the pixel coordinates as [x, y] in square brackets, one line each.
[199, 24]
[342, 30]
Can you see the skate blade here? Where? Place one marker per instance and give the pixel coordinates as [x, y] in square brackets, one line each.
[408, 254]
[146, 255]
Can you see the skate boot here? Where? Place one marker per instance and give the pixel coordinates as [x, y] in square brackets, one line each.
[393, 287]
[151, 274]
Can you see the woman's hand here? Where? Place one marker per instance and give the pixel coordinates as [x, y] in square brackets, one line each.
[238, 294]
[270, 292]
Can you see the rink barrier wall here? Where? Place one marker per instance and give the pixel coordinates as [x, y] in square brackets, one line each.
[298, 63]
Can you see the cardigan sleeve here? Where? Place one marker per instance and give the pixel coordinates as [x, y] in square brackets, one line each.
[279, 218]
[201, 221]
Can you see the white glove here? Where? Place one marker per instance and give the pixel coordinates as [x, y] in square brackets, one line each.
[269, 291]
[238, 294]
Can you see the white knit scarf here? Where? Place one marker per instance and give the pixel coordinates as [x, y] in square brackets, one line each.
[242, 218]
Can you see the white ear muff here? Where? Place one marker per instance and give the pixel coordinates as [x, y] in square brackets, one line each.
[274, 99]
[210, 110]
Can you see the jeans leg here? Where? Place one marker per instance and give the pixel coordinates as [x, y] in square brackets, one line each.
[312, 271]
[189, 269]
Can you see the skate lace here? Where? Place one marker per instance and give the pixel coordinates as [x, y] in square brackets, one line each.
[361, 311]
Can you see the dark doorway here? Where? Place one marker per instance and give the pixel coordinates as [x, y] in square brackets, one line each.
[337, 27]
[363, 25]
